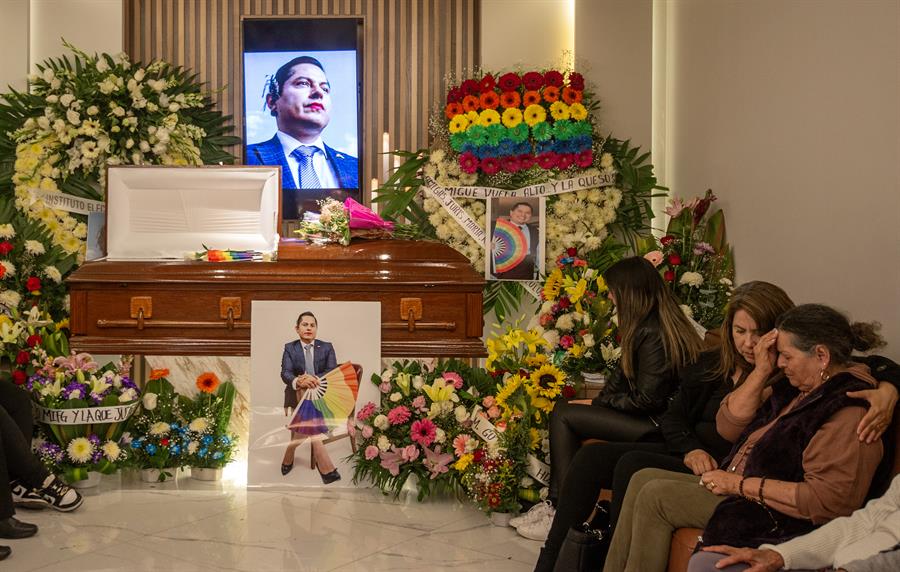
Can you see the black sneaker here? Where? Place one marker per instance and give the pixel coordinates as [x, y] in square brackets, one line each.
[59, 495]
[26, 497]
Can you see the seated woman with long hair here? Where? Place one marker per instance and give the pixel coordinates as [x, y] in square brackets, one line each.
[797, 461]
[656, 340]
[688, 425]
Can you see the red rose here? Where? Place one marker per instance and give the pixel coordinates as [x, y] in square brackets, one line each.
[22, 357]
[669, 276]
[34, 340]
[533, 81]
[33, 284]
[576, 81]
[667, 240]
[553, 78]
[568, 391]
[564, 303]
[571, 251]
[19, 377]
[478, 455]
[164, 442]
[470, 87]
[509, 82]
[5, 247]
[674, 259]
[455, 95]
[487, 83]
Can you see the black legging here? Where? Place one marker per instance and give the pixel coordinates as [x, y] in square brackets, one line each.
[596, 467]
[571, 423]
[16, 461]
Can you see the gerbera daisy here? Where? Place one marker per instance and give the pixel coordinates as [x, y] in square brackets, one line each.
[158, 373]
[577, 111]
[470, 103]
[547, 160]
[207, 382]
[488, 117]
[553, 78]
[468, 162]
[452, 109]
[454, 95]
[534, 114]
[489, 100]
[564, 161]
[526, 161]
[423, 432]
[511, 117]
[531, 98]
[551, 94]
[510, 99]
[509, 81]
[458, 124]
[487, 83]
[576, 81]
[584, 159]
[490, 165]
[571, 95]
[559, 110]
[533, 80]
[470, 87]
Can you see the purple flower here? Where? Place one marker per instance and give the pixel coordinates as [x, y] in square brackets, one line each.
[702, 248]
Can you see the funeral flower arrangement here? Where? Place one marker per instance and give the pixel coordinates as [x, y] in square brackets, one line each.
[159, 440]
[695, 258]
[209, 444]
[575, 317]
[82, 409]
[81, 113]
[513, 130]
[340, 222]
[415, 428]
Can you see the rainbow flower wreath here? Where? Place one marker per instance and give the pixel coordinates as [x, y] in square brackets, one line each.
[497, 135]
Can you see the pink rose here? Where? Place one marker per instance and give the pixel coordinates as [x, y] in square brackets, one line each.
[367, 431]
[419, 402]
[493, 412]
[655, 257]
[409, 453]
[371, 452]
[385, 387]
[567, 341]
[488, 401]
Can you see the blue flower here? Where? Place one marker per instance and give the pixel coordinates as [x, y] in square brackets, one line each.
[225, 439]
[136, 444]
[175, 449]
[151, 449]
[207, 440]
[203, 452]
[217, 455]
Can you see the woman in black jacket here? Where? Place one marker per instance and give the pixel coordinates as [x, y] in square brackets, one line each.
[688, 427]
[656, 339]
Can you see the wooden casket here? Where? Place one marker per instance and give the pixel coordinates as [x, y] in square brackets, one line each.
[431, 298]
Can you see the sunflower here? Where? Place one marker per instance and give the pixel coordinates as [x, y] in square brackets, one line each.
[207, 382]
[80, 450]
[531, 98]
[509, 387]
[553, 285]
[536, 360]
[577, 111]
[559, 110]
[534, 114]
[458, 124]
[488, 117]
[547, 381]
[511, 117]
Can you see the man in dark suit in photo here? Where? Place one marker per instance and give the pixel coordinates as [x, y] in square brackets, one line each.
[299, 97]
[302, 362]
[520, 215]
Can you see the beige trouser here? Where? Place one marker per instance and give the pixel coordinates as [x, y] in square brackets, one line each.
[657, 503]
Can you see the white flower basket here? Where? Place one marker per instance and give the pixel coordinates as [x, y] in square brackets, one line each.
[153, 475]
[206, 474]
[501, 518]
[92, 480]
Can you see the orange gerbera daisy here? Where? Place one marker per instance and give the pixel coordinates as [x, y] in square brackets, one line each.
[551, 94]
[510, 99]
[531, 98]
[453, 109]
[571, 95]
[207, 382]
[470, 103]
[158, 373]
[490, 100]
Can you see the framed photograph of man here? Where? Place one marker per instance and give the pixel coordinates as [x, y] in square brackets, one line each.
[515, 239]
[302, 110]
[310, 365]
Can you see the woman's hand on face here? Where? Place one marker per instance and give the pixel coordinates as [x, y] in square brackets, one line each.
[720, 482]
[759, 560]
[882, 402]
[699, 461]
[766, 353]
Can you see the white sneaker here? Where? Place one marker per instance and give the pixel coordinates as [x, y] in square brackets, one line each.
[539, 528]
[534, 513]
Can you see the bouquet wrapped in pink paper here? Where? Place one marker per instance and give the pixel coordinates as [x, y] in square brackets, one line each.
[341, 222]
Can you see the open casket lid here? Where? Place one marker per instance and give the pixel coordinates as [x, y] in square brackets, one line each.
[160, 212]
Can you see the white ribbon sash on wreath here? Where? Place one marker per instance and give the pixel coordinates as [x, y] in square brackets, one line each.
[537, 469]
[84, 415]
[68, 203]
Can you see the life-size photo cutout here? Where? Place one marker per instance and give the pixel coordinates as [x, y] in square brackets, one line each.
[310, 363]
[515, 239]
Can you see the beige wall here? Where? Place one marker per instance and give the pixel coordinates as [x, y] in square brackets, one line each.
[527, 33]
[13, 44]
[789, 112]
[89, 25]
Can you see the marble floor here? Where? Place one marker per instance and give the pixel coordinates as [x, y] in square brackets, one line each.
[190, 525]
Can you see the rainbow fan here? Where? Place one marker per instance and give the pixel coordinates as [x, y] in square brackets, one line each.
[508, 246]
[335, 397]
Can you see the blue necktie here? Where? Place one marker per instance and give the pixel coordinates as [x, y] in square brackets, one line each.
[308, 178]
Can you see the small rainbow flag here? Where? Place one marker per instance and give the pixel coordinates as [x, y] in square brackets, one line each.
[508, 245]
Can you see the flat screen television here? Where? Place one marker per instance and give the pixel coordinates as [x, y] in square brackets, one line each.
[302, 80]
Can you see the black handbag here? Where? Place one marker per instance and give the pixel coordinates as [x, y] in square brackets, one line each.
[586, 545]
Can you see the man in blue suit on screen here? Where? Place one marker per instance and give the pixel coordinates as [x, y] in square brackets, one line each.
[299, 97]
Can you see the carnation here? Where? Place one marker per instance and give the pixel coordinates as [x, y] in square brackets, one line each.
[384, 443]
[199, 425]
[565, 322]
[7, 231]
[371, 452]
[10, 298]
[694, 279]
[34, 247]
[160, 428]
[111, 450]
[381, 422]
[53, 273]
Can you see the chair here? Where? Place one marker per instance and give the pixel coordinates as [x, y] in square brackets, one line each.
[351, 432]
